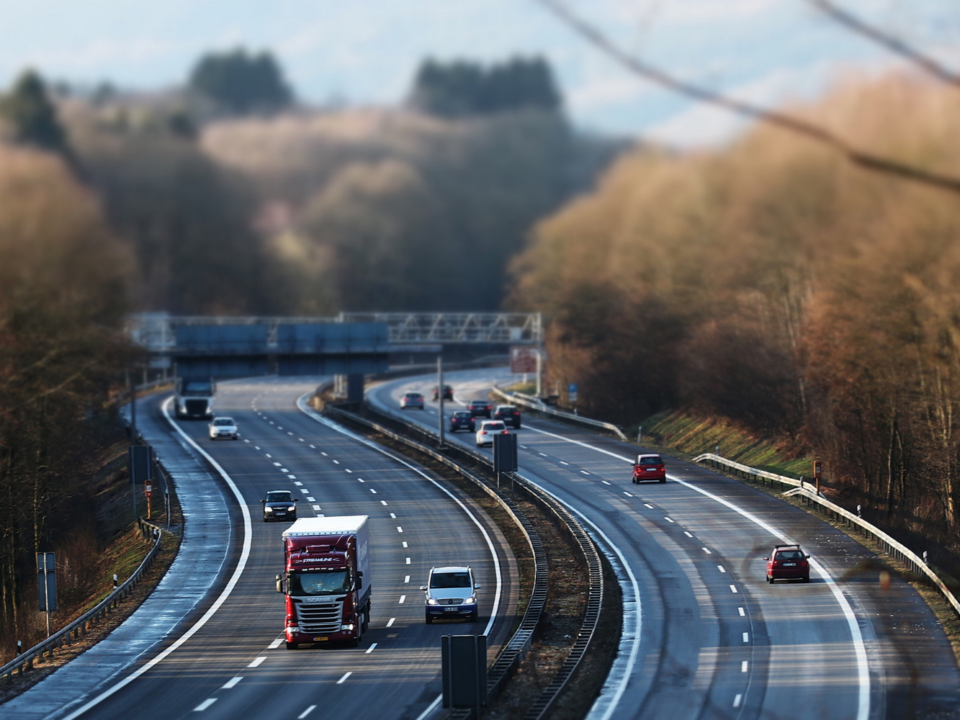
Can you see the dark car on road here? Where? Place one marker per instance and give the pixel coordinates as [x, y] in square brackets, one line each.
[279, 505]
[480, 408]
[787, 562]
[462, 420]
[509, 414]
[447, 393]
[649, 467]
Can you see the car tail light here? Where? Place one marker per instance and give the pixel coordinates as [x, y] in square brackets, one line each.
[483, 432]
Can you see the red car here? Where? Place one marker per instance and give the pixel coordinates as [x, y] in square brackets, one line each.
[649, 467]
[787, 562]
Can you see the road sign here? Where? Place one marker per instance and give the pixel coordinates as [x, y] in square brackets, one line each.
[523, 359]
[505, 453]
[140, 463]
[148, 488]
[47, 583]
[572, 390]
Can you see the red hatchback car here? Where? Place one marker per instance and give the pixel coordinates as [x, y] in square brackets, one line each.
[788, 562]
[649, 467]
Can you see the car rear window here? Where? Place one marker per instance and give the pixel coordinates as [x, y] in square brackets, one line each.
[651, 460]
[494, 426]
[789, 555]
[462, 415]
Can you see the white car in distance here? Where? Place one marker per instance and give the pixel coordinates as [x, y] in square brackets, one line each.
[223, 427]
[489, 428]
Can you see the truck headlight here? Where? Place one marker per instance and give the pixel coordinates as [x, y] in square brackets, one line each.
[293, 629]
[348, 627]
[431, 601]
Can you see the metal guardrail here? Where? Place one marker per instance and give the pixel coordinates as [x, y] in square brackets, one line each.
[805, 489]
[537, 406]
[78, 627]
[516, 648]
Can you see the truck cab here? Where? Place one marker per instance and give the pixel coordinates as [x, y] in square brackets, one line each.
[194, 397]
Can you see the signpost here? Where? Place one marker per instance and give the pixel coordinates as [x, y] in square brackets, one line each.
[504, 454]
[817, 470]
[140, 467]
[572, 391]
[148, 491]
[47, 583]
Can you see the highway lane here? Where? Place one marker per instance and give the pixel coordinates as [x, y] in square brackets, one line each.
[236, 664]
[716, 640]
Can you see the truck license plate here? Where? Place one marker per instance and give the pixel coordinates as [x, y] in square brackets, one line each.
[321, 639]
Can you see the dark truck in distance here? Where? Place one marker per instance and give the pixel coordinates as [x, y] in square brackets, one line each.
[326, 580]
[194, 398]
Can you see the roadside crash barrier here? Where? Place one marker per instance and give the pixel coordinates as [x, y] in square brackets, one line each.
[807, 490]
[79, 627]
[532, 403]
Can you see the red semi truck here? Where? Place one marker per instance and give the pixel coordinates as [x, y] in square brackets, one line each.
[326, 580]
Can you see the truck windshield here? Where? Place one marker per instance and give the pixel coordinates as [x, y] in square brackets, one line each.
[322, 583]
[197, 387]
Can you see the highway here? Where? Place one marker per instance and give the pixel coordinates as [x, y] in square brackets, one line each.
[235, 664]
[713, 639]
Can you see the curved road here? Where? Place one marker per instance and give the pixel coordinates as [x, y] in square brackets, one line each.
[235, 665]
[715, 640]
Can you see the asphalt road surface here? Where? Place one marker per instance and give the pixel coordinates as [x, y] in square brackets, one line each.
[705, 635]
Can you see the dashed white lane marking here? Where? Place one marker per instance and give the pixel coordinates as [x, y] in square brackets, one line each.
[292, 477]
[668, 519]
[298, 483]
[348, 470]
[523, 447]
[743, 666]
[736, 700]
[383, 502]
[564, 462]
[746, 637]
[584, 472]
[687, 534]
[205, 704]
[373, 491]
[390, 622]
[408, 561]
[313, 447]
[344, 678]
[245, 440]
[256, 447]
[256, 662]
[627, 494]
[393, 515]
[270, 456]
[542, 454]
[336, 462]
[648, 505]
[733, 588]
[316, 508]
[720, 568]
[284, 470]
[306, 712]
[399, 529]
[370, 649]
[231, 683]
[301, 439]
[276, 463]
[361, 480]
[741, 611]
[605, 482]
[402, 599]
[311, 499]
[324, 454]
[707, 551]
[404, 543]
[275, 644]
[288, 433]
[406, 578]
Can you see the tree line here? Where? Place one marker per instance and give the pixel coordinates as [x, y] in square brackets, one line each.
[773, 283]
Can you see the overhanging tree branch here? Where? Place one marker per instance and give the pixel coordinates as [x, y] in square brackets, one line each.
[852, 22]
[861, 158]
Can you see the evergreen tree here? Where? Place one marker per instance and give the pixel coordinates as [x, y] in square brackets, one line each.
[241, 82]
[31, 115]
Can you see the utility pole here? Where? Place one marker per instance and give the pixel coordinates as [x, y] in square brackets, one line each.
[440, 393]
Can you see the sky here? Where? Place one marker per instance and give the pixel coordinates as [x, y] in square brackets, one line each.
[366, 51]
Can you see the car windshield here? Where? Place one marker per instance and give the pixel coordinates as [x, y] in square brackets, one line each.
[223, 421]
[322, 583]
[279, 497]
[650, 460]
[789, 555]
[450, 580]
